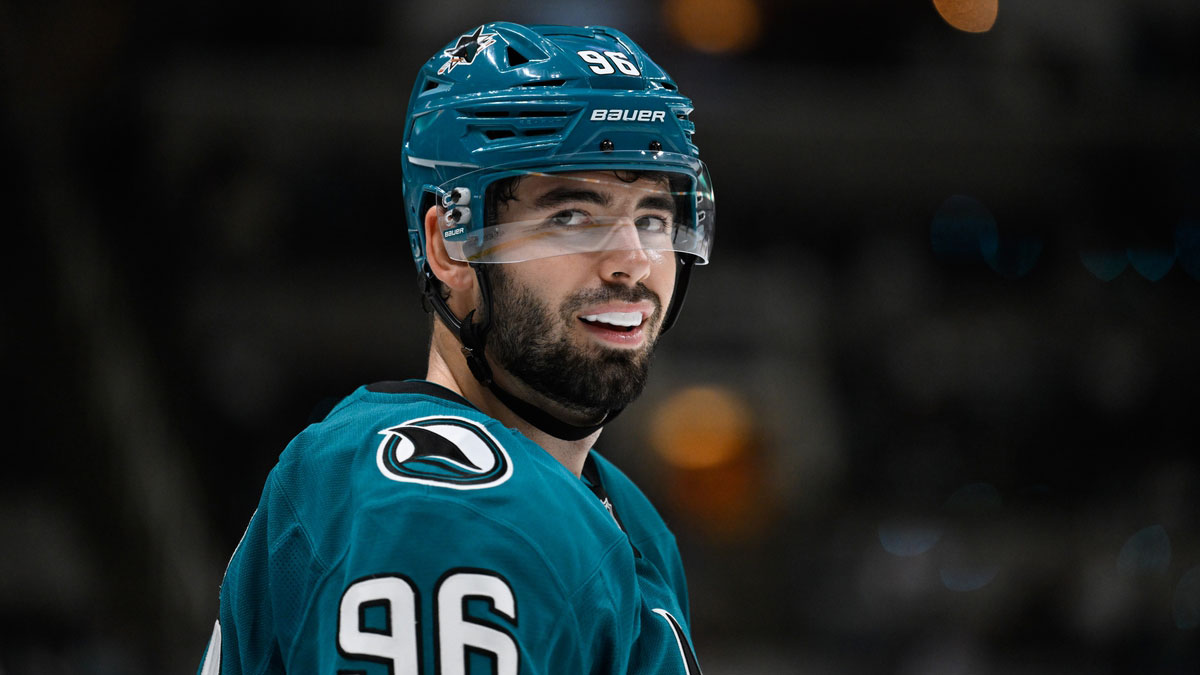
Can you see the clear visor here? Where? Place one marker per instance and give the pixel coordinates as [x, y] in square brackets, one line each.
[529, 215]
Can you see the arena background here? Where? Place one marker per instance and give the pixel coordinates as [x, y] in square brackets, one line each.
[932, 408]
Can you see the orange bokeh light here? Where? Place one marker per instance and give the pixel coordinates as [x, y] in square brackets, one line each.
[709, 440]
[715, 26]
[701, 427]
[971, 16]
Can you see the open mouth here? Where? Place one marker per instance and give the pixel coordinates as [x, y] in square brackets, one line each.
[621, 322]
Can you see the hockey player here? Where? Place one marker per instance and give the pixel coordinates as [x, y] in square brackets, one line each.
[463, 523]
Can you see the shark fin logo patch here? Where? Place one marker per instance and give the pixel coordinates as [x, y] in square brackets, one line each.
[463, 53]
[452, 452]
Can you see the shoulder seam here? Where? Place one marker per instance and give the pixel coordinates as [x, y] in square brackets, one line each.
[312, 549]
[287, 499]
[591, 577]
[616, 545]
[664, 533]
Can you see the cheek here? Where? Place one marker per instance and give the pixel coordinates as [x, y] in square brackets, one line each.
[532, 277]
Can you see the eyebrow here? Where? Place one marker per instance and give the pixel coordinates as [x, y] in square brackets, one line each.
[657, 202]
[564, 195]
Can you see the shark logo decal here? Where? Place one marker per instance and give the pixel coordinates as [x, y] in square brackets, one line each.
[463, 53]
[452, 452]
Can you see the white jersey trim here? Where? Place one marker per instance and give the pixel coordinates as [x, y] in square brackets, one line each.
[212, 659]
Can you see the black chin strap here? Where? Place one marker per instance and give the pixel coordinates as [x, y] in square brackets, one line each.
[544, 420]
[683, 272]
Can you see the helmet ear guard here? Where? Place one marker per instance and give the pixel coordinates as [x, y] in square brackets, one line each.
[683, 274]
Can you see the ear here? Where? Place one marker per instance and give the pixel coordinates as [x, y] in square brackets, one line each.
[456, 275]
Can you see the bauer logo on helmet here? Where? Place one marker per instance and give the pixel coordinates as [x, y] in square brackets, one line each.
[620, 115]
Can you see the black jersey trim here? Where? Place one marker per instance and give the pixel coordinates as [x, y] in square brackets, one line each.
[591, 478]
[423, 387]
[691, 665]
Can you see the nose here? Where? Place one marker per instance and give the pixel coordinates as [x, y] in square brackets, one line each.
[625, 261]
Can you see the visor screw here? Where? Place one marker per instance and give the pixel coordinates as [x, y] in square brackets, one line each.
[655, 146]
[606, 145]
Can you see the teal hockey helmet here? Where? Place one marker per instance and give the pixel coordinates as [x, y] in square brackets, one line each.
[507, 100]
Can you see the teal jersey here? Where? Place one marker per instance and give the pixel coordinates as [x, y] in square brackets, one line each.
[408, 533]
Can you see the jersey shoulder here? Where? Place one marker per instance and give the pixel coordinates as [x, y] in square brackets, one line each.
[411, 454]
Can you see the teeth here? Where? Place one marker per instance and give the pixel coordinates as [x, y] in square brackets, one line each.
[622, 319]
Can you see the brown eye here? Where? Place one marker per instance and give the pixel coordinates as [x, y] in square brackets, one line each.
[569, 218]
[653, 224]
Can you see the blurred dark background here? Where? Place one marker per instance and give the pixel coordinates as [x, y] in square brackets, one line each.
[931, 409]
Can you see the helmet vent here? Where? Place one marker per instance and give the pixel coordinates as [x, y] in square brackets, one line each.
[520, 121]
[515, 58]
[543, 83]
[492, 114]
[498, 134]
[431, 84]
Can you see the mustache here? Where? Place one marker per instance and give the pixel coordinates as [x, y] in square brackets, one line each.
[612, 293]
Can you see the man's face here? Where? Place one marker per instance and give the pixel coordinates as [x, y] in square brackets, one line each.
[580, 328]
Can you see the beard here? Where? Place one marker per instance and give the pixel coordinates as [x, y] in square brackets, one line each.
[533, 343]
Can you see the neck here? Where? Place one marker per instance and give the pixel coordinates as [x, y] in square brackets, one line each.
[448, 368]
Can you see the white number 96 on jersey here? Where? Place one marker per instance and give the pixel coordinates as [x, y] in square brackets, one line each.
[378, 620]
